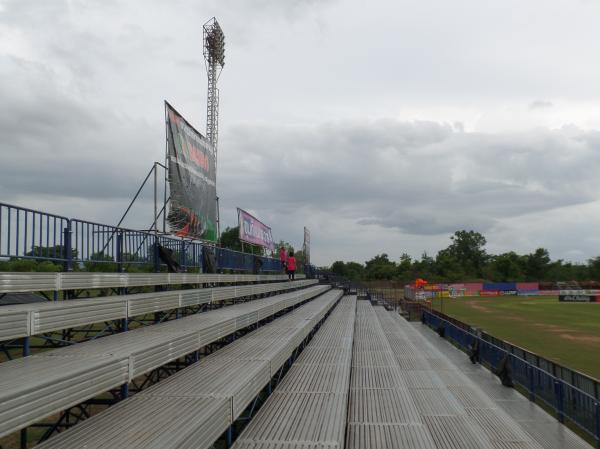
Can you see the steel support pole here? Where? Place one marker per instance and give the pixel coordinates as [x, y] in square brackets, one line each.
[166, 173]
[155, 199]
[229, 436]
[598, 425]
[23, 433]
[124, 391]
[26, 347]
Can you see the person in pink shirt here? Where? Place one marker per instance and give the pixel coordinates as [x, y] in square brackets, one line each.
[291, 265]
[283, 258]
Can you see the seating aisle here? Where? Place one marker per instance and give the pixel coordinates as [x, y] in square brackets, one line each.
[382, 412]
[308, 409]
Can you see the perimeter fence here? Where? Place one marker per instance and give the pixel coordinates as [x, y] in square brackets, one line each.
[74, 244]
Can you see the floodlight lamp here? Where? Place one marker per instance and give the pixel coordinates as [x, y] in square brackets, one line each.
[214, 42]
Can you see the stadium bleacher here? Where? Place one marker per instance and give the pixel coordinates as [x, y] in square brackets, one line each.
[31, 319]
[37, 386]
[192, 408]
[366, 379]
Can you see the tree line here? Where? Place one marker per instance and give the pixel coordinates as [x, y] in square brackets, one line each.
[466, 259]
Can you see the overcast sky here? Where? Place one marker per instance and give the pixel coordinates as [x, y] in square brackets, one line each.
[383, 126]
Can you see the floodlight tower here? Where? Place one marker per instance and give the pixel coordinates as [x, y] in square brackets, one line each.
[214, 57]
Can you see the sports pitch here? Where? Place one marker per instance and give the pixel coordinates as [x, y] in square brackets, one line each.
[567, 333]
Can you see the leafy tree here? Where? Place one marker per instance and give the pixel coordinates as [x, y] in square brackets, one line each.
[425, 267]
[100, 262]
[537, 264]
[448, 266]
[300, 260]
[594, 268]
[351, 270]
[404, 271]
[467, 249]
[505, 267]
[230, 238]
[380, 267]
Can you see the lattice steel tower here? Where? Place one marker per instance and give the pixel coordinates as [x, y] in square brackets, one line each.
[214, 57]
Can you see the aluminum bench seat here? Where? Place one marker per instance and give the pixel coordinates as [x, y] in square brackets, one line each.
[134, 353]
[12, 282]
[389, 436]
[14, 323]
[36, 386]
[226, 385]
[294, 417]
[31, 319]
[149, 422]
[316, 378]
[238, 380]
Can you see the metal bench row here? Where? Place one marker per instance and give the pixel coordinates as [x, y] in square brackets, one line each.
[418, 398]
[37, 386]
[310, 404]
[194, 407]
[31, 319]
[12, 282]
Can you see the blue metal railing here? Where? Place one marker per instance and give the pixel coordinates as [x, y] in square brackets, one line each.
[31, 234]
[567, 401]
[236, 260]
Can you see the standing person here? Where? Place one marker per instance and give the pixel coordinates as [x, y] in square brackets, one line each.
[291, 265]
[283, 258]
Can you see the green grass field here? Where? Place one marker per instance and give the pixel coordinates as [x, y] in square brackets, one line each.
[567, 333]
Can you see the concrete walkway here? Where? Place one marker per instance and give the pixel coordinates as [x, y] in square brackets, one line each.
[538, 424]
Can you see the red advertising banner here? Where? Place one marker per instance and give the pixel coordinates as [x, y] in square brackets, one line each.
[528, 285]
[489, 293]
[253, 231]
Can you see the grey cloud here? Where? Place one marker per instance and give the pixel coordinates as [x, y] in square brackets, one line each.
[540, 104]
[429, 223]
[420, 178]
[53, 144]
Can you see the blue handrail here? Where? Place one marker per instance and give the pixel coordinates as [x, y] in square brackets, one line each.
[75, 243]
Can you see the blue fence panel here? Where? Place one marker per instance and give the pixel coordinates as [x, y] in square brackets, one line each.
[94, 242]
[228, 259]
[139, 247]
[188, 254]
[31, 234]
[272, 265]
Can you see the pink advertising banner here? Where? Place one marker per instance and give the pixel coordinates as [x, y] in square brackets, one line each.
[254, 231]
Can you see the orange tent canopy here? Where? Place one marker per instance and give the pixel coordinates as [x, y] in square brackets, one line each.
[420, 282]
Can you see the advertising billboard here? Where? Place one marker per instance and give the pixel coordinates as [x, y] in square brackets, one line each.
[253, 231]
[192, 180]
